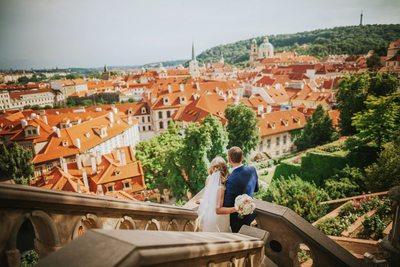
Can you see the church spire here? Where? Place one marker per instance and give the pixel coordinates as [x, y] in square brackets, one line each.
[193, 57]
[361, 17]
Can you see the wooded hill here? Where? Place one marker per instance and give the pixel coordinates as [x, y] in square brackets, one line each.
[319, 43]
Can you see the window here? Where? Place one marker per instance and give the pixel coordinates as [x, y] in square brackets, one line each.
[110, 188]
[144, 128]
[148, 119]
[269, 143]
[278, 140]
[168, 114]
[143, 119]
[49, 167]
[149, 127]
[127, 185]
[284, 139]
[277, 153]
[161, 125]
[160, 114]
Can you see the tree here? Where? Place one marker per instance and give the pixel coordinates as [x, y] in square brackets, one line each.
[301, 196]
[242, 127]
[354, 90]
[385, 173]
[374, 61]
[16, 162]
[379, 122]
[350, 97]
[218, 135]
[345, 183]
[317, 131]
[156, 156]
[194, 161]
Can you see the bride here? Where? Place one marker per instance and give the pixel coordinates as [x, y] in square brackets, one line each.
[213, 217]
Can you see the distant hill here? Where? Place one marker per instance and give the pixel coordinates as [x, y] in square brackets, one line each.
[319, 43]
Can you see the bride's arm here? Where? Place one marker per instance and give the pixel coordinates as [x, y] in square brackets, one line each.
[220, 207]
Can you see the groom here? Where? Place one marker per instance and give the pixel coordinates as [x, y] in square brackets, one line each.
[243, 180]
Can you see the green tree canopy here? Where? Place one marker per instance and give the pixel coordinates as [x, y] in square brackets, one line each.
[354, 90]
[194, 159]
[16, 163]
[385, 173]
[242, 127]
[301, 196]
[218, 135]
[380, 121]
[155, 155]
[317, 131]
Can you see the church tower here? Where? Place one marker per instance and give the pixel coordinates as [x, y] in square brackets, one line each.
[266, 49]
[253, 52]
[194, 65]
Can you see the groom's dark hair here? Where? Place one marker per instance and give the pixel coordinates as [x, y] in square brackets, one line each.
[235, 154]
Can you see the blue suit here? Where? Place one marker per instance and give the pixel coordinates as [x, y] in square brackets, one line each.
[243, 180]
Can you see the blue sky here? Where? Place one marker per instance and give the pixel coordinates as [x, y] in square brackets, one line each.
[91, 33]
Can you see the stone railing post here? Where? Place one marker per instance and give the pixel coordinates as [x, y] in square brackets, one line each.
[392, 243]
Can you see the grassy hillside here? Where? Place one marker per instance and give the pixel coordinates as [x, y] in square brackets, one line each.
[319, 43]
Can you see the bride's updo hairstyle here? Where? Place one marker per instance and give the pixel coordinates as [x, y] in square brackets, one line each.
[219, 164]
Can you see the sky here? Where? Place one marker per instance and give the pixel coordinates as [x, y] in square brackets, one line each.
[91, 33]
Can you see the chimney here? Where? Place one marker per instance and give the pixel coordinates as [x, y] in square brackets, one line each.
[45, 119]
[269, 109]
[58, 132]
[79, 161]
[119, 155]
[181, 87]
[123, 158]
[78, 186]
[64, 165]
[197, 86]
[93, 163]
[85, 179]
[260, 109]
[98, 157]
[225, 98]
[23, 123]
[100, 190]
[169, 88]
[33, 115]
[111, 117]
[78, 143]
[130, 120]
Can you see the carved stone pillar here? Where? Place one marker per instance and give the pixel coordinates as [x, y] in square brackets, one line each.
[13, 258]
[392, 243]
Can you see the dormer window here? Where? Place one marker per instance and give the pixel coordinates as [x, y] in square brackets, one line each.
[110, 188]
[87, 135]
[130, 111]
[182, 99]
[166, 100]
[117, 172]
[144, 110]
[64, 143]
[284, 122]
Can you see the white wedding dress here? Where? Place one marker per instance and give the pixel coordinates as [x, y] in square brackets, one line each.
[209, 220]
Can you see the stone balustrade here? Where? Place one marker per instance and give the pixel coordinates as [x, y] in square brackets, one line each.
[49, 219]
[139, 248]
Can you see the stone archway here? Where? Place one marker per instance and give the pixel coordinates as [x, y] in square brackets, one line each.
[89, 221]
[45, 236]
[173, 225]
[153, 225]
[126, 222]
[189, 227]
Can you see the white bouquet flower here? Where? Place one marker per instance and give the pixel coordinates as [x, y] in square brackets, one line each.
[245, 205]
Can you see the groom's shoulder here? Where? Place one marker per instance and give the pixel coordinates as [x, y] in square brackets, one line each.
[250, 168]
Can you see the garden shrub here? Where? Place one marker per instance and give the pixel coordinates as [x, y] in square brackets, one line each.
[301, 196]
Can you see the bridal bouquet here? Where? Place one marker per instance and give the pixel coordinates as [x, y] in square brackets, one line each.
[245, 205]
